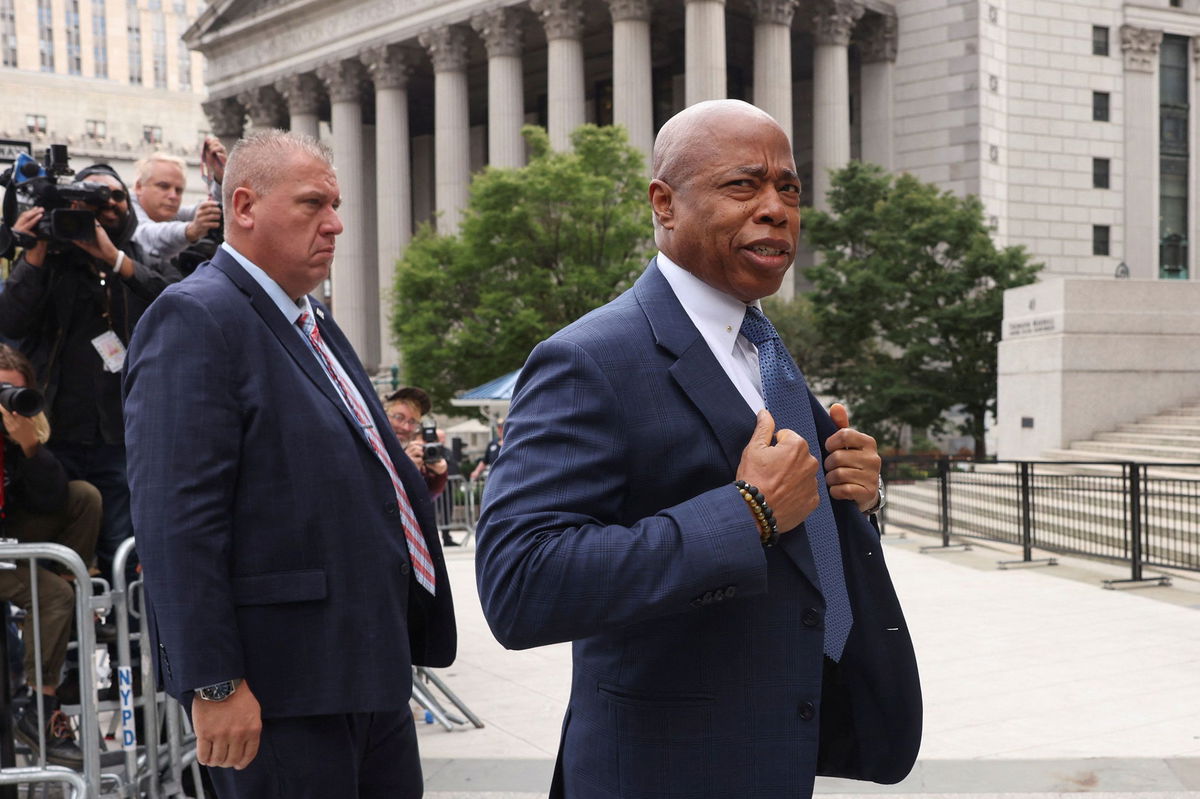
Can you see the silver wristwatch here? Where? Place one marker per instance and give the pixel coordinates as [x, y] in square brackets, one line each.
[880, 502]
[218, 692]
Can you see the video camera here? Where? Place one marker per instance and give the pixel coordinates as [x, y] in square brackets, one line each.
[23, 401]
[29, 184]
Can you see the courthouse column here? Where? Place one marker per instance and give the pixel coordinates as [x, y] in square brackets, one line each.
[633, 82]
[563, 20]
[500, 30]
[447, 48]
[389, 68]
[227, 118]
[1140, 48]
[265, 108]
[352, 278]
[773, 59]
[704, 51]
[303, 95]
[834, 22]
[877, 44]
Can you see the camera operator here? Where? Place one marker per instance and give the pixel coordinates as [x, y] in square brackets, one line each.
[405, 408]
[73, 304]
[38, 504]
[164, 229]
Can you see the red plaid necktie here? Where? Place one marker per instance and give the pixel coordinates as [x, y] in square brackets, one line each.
[422, 563]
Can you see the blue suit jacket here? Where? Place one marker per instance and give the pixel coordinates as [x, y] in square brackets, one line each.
[610, 519]
[268, 531]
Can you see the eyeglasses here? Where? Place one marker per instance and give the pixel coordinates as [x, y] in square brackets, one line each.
[400, 418]
[117, 196]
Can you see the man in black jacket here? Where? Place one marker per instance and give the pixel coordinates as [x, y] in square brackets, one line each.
[73, 311]
[38, 504]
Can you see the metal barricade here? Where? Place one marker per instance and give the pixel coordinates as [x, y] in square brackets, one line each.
[457, 506]
[87, 784]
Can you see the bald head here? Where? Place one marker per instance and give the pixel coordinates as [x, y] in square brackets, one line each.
[689, 138]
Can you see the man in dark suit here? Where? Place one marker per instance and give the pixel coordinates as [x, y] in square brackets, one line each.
[717, 654]
[292, 565]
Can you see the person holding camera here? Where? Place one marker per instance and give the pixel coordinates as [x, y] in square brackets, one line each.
[164, 228]
[73, 305]
[39, 504]
[405, 408]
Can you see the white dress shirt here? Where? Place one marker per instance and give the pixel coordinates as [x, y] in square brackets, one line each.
[718, 317]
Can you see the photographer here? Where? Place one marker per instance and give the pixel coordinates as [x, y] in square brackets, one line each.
[37, 504]
[73, 304]
[164, 229]
[405, 408]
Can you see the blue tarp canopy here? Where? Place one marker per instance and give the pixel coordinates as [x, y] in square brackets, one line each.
[492, 397]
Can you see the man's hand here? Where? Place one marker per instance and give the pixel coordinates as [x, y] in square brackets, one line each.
[22, 430]
[227, 733]
[852, 467]
[27, 223]
[415, 450]
[785, 473]
[208, 217]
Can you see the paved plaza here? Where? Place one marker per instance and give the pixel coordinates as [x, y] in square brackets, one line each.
[1038, 683]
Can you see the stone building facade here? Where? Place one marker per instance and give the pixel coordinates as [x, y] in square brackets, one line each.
[112, 79]
[1071, 119]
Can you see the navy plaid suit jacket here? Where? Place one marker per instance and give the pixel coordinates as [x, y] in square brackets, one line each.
[610, 519]
[268, 531]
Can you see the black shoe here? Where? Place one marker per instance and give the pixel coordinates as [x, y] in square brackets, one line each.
[447, 541]
[106, 633]
[61, 749]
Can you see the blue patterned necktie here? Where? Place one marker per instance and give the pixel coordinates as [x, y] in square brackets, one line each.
[786, 395]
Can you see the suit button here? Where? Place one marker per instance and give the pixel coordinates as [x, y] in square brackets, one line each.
[391, 508]
[807, 711]
[405, 568]
[730, 591]
[810, 617]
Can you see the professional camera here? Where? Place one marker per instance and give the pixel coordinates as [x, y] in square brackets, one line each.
[201, 250]
[29, 184]
[435, 451]
[23, 401]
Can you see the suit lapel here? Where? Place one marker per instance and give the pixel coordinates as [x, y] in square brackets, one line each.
[287, 335]
[701, 377]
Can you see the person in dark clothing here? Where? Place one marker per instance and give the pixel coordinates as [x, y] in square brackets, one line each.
[74, 311]
[38, 504]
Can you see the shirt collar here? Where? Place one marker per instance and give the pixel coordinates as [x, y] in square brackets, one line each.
[289, 307]
[717, 314]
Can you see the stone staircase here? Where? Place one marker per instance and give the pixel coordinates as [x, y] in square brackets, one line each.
[1079, 504]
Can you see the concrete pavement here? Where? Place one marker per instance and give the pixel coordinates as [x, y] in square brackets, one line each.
[1037, 683]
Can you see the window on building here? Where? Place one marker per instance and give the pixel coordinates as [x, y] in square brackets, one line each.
[185, 66]
[35, 123]
[96, 129]
[1100, 235]
[100, 38]
[180, 7]
[152, 134]
[133, 29]
[1176, 3]
[160, 51]
[45, 36]
[1100, 106]
[8, 33]
[1100, 173]
[1099, 40]
[1174, 154]
[74, 44]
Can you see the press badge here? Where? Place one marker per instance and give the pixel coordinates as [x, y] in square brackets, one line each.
[111, 350]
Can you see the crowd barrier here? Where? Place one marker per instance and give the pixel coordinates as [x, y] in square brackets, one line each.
[458, 506]
[152, 767]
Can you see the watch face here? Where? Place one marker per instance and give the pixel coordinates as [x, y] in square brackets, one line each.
[218, 692]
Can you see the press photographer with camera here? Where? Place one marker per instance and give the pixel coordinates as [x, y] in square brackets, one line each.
[164, 228]
[406, 408]
[73, 303]
[38, 504]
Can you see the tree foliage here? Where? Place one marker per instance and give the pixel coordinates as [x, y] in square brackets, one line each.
[910, 291]
[539, 247]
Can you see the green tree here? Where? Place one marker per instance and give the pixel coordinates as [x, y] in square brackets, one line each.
[910, 293]
[539, 247]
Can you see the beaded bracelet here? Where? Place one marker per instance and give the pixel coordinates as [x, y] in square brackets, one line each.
[764, 517]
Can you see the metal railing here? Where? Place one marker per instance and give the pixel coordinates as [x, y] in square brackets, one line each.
[457, 506]
[1142, 514]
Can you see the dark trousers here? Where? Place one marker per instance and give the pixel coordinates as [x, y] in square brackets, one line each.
[102, 465]
[352, 756]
